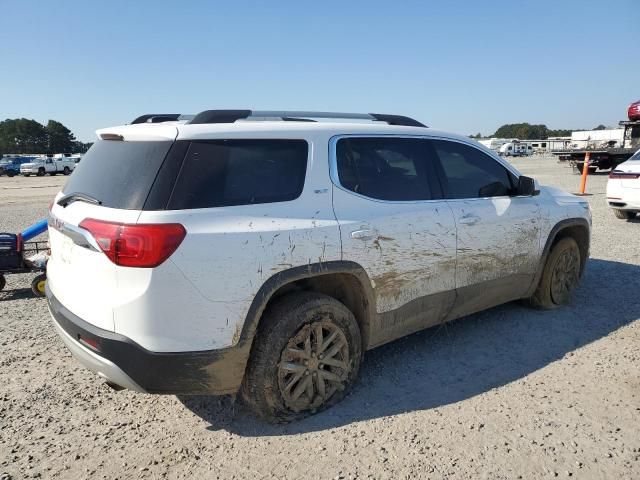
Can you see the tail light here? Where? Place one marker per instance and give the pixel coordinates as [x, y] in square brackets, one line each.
[136, 245]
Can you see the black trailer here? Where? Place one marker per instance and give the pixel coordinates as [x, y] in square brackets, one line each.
[605, 158]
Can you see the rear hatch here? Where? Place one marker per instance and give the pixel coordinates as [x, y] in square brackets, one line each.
[112, 183]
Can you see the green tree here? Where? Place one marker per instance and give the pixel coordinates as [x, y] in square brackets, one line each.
[22, 135]
[560, 133]
[60, 138]
[522, 131]
[600, 127]
[80, 147]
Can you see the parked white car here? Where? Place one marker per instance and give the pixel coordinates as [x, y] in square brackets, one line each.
[43, 165]
[265, 253]
[623, 188]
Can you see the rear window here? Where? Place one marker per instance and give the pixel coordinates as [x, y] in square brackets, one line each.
[219, 173]
[119, 174]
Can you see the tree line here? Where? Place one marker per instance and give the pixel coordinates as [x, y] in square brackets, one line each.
[526, 131]
[21, 135]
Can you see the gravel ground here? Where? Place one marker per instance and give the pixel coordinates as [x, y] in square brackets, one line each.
[507, 393]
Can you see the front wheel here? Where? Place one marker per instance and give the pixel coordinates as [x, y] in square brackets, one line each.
[305, 358]
[66, 171]
[41, 172]
[38, 284]
[560, 276]
[3, 281]
[11, 173]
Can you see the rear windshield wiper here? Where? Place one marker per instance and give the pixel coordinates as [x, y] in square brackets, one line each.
[78, 197]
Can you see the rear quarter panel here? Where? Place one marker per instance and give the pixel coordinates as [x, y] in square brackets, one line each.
[229, 252]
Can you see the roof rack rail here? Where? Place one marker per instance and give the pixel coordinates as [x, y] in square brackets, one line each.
[230, 116]
[157, 118]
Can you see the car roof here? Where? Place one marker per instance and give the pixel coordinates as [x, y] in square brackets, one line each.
[266, 129]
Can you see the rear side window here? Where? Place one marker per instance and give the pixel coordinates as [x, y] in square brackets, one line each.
[219, 173]
[118, 173]
[470, 173]
[384, 168]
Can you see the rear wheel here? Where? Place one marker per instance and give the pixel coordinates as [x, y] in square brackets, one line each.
[3, 281]
[11, 173]
[560, 276]
[66, 171]
[624, 214]
[37, 285]
[305, 358]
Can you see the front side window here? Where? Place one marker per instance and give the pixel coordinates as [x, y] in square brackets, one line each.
[220, 173]
[384, 168]
[470, 173]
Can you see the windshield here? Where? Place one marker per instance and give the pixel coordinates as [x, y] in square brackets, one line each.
[635, 156]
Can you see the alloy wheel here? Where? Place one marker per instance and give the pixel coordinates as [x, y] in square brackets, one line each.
[313, 366]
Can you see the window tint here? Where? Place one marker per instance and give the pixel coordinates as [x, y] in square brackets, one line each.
[219, 173]
[384, 168]
[119, 174]
[470, 173]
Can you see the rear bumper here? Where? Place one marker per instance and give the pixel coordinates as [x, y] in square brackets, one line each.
[121, 361]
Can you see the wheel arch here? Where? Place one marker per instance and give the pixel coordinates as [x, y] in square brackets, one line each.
[576, 228]
[345, 281]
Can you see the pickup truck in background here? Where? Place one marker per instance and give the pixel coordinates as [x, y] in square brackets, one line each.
[10, 166]
[52, 166]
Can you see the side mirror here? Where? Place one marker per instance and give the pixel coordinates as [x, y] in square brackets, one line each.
[526, 187]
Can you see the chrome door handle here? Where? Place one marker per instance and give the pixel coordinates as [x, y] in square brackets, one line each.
[469, 220]
[363, 234]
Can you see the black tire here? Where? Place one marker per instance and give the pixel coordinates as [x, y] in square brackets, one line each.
[66, 171]
[563, 261]
[592, 170]
[3, 282]
[37, 285]
[624, 214]
[283, 324]
[25, 174]
[11, 173]
[577, 168]
[41, 172]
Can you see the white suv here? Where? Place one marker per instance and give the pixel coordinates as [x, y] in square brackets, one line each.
[623, 188]
[265, 252]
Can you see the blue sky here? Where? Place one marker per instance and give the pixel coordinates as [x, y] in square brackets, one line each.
[459, 66]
